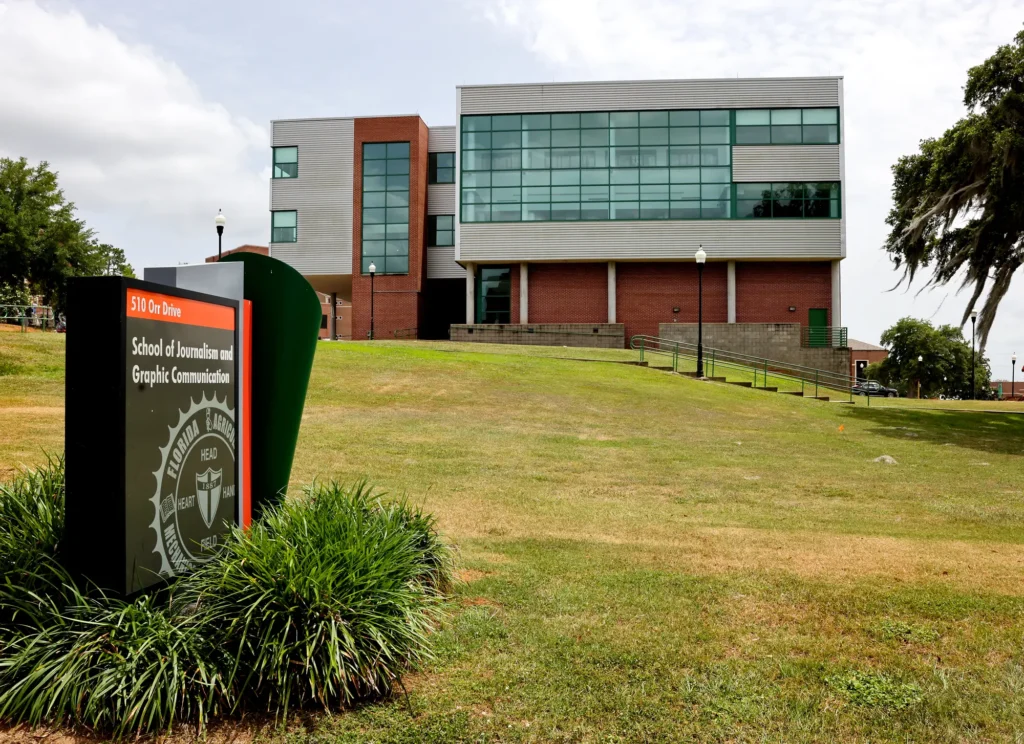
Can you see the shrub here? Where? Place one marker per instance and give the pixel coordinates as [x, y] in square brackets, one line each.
[327, 600]
[31, 525]
[114, 666]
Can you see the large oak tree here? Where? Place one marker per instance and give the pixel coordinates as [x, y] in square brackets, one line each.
[959, 202]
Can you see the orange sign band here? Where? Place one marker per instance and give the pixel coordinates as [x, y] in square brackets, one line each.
[156, 306]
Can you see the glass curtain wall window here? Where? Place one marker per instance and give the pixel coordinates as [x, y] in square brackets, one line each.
[817, 126]
[441, 230]
[286, 162]
[441, 167]
[386, 207]
[792, 200]
[284, 227]
[494, 294]
[620, 165]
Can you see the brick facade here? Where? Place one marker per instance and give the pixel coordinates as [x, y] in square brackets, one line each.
[647, 293]
[398, 300]
[568, 293]
[765, 291]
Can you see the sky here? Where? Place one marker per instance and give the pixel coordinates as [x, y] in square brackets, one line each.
[156, 115]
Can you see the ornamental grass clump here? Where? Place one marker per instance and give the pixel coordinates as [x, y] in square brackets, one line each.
[328, 599]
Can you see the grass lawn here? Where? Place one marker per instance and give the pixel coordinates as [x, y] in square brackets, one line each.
[651, 558]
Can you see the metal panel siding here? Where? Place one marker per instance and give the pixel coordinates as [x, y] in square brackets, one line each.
[785, 163]
[441, 264]
[441, 139]
[650, 94]
[653, 240]
[842, 161]
[441, 198]
[322, 195]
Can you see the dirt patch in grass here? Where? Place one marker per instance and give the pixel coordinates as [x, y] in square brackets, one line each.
[971, 566]
[469, 575]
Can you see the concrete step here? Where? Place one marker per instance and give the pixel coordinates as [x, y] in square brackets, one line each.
[818, 397]
[792, 392]
[769, 389]
[664, 369]
[741, 384]
[717, 379]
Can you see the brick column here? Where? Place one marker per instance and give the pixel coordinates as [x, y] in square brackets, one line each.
[837, 295]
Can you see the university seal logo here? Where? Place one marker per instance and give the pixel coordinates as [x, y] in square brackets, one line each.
[194, 502]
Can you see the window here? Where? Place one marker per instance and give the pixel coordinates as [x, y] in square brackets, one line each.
[284, 227]
[441, 230]
[817, 126]
[286, 162]
[619, 165]
[787, 200]
[494, 294]
[442, 167]
[385, 223]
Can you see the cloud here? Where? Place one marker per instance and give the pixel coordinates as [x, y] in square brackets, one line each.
[146, 158]
[904, 64]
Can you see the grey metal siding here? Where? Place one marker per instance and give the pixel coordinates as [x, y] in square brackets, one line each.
[441, 139]
[785, 163]
[441, 198]
[441, 264]
[322, 195]
[650, 94]
[653, 240]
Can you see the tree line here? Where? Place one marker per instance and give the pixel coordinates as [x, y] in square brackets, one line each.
[42, 241]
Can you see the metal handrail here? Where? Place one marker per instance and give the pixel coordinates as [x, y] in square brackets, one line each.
[42, 315]
[823, 337]
[759, 366]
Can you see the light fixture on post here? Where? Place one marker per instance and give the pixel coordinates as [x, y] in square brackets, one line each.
[220, 221]
[974, 389]
[701, 257]
[920, 359]
[373, 270]
[1013, 376]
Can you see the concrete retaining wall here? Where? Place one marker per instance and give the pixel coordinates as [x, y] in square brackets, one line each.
[597, 335]
[776, 341]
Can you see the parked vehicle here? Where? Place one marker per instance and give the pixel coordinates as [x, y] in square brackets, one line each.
[870, 387]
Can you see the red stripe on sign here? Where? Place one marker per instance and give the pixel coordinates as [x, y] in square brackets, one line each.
[156, 306]
[247, 417]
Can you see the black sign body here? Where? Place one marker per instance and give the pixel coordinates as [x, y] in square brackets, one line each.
[151, 440]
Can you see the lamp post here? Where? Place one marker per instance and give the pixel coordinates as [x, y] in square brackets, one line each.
[219, 220]
[1013, 376]
[373, 270]
[974, 389]
[920, 359]
[701, 257]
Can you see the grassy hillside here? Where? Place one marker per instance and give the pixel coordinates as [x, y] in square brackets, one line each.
[648, 557]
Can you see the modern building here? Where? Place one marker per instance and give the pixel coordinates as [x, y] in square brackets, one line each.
[575, 208]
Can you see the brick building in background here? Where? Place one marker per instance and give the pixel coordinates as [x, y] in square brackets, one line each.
[563, 207]
[343, 310]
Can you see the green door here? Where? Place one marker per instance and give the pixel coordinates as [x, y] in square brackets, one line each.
[817, 327]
